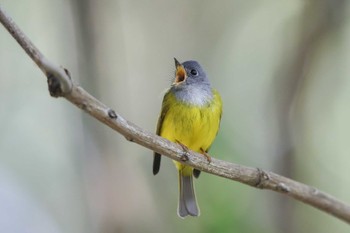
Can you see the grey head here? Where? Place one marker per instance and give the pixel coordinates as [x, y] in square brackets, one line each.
[191, 84]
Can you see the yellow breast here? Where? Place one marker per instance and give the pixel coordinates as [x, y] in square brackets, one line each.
[193, 126]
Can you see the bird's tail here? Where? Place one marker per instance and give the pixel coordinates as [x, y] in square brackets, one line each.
[187, 200]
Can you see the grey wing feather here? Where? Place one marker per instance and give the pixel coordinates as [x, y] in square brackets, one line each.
[156, 156]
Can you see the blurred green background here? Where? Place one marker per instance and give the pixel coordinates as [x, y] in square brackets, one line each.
[282, 68]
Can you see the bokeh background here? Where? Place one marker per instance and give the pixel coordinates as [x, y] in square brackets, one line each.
[282, 68]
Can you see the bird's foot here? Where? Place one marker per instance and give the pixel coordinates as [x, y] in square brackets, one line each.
[184, 156]
[206, 155]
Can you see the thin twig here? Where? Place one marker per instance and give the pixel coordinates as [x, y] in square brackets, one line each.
[60, 84]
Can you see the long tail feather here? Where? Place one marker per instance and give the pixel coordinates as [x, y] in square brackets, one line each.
[187, 200]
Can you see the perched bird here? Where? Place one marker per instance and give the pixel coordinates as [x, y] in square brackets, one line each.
[190, 116]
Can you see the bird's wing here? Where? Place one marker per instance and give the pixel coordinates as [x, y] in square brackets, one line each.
[217, 98]
[165, 108]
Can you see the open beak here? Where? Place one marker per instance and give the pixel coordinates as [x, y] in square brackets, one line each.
[180, 74]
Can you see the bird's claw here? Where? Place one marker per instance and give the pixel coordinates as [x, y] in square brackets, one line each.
[184, 156]
[206, 155]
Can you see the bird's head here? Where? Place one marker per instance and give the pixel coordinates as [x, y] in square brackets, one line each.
[189, 73]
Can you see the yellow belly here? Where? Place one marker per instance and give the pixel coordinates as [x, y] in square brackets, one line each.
[193, 126]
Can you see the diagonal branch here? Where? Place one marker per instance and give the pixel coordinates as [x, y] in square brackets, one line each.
[61, 85]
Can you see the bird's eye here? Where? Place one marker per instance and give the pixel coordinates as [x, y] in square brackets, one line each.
[194, 72]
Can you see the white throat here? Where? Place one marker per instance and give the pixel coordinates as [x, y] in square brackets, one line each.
[198, 96]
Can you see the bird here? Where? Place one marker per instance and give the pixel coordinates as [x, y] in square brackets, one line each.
[190, 116]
